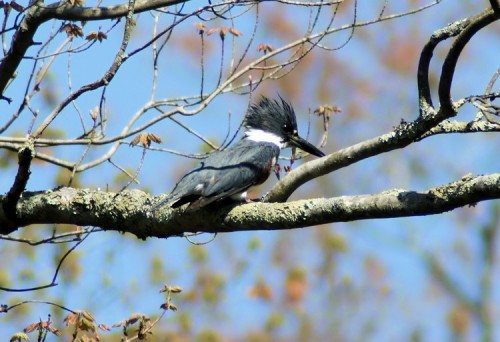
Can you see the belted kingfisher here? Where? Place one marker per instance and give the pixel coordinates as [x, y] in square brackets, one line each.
[270, 126]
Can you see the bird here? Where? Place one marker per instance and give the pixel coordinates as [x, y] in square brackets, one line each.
[270, 125]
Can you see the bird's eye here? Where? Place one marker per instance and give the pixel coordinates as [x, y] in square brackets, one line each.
[287, 128]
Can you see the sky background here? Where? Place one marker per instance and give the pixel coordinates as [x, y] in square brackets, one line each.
[378, 281]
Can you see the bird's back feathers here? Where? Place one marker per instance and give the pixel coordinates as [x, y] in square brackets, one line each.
[224, 174]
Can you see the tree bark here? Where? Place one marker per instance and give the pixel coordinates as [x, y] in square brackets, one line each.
[130, 211]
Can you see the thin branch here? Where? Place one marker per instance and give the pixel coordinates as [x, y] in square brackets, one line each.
[8, 308]
[56, 273]
[108, 76]
[53, 239]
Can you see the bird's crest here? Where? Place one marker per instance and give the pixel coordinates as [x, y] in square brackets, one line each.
[273, 116]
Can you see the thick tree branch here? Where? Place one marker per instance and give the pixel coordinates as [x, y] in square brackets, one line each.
[129, 211]
[448, 126]
[77, 13]
[495, 4]
[9, 202]
[22, 40]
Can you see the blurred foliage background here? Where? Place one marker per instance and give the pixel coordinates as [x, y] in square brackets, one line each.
[420, 278]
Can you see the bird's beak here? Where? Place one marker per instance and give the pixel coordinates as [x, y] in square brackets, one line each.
[305, 146]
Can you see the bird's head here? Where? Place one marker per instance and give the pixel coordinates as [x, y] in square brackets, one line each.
[274, 121]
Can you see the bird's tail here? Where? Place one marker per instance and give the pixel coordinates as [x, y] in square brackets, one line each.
[161, 203]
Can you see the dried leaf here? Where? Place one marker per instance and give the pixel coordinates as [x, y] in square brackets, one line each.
[265, 47]
[86, 325]
[176, 289]
[222, 32]
[87, 338]
[101, 36]
[234, 32]
[154, 138]
[72, 30]
[211, 31]
[76, 2]
[145, 139]
[87, 315]
[32, 327]
[91, 36]
[54, 331]
[168, 305]
[93, 113]
[326, 111]
[136, 140]
[96, 36]
[71, 319]
[131, 320]
[119, 324]
[104, 327]
[40, 326]
[200, 26]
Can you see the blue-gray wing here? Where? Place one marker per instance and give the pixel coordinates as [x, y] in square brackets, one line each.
[225, 173]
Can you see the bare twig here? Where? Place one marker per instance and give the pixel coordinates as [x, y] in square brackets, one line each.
[56, 273]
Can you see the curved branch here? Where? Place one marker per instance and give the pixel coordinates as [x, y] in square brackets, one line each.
[495, 4]
[25, 155]
[128, 210]
[438, 36]
[476, 23]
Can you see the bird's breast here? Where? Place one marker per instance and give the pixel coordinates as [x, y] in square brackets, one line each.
[266, 170]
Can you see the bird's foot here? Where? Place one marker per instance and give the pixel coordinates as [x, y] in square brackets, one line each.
[253, 200]
[277, 170]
